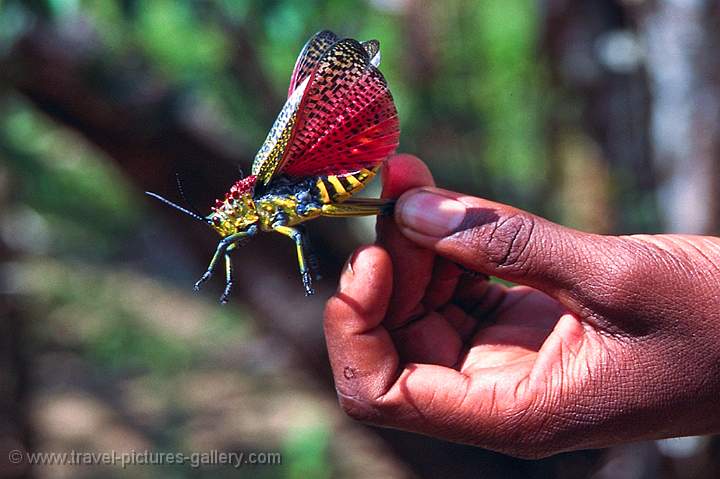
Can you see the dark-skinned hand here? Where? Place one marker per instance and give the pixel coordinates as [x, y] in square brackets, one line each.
[606, 339]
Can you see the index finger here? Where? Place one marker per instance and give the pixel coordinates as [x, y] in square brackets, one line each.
[412, 264]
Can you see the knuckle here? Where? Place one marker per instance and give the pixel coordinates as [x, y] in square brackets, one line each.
[508, 243]
[629, 291]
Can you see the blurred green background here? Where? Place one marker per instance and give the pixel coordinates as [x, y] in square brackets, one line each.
[601, 115]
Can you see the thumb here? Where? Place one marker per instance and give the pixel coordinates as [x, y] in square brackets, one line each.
[500, 240]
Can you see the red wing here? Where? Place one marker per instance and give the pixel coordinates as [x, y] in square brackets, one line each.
[309, 57]
[347, 119]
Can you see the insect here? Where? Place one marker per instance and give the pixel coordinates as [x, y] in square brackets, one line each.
[337, 126]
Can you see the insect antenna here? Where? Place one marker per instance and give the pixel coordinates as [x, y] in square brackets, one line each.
[177, 207]
[191, 207]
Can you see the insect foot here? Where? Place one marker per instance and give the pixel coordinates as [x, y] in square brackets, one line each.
[307, 282]
[225, 297]
[205, 277]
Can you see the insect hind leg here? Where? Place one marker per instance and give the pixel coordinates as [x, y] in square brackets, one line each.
[297, 236]
[310, 255]
[359, 207]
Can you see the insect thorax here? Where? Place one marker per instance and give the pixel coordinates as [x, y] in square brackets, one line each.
[288, 203]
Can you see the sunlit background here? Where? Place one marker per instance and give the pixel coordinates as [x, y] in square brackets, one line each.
[602, 115]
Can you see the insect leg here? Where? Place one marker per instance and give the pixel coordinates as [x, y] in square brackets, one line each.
[220, 251]
[362, 207]
[299, 240]
[312, 259]
[228, 275]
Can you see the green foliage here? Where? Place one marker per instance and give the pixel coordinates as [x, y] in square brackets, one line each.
[81, 197]
[123, 332]
[177, 43]
[306, 452]
[507, 91]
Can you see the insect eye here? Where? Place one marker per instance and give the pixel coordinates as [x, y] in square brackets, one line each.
[216, 221]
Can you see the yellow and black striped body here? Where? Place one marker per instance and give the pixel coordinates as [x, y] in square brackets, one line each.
[338, 188]
[290, 203]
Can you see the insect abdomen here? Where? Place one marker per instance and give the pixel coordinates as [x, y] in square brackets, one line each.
[338, 188]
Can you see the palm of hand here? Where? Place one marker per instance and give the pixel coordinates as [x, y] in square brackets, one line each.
[506, 341]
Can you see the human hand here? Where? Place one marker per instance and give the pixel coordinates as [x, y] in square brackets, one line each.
[607, 340]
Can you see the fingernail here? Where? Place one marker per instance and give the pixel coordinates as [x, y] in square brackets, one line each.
[351, 262]
[348, 272]
[431, 214]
